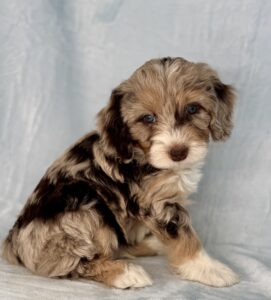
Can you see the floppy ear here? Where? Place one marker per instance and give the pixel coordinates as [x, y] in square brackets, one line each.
[221, 123]
[115, 132]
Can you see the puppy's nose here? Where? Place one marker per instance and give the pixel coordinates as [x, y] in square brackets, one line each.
[178, 153]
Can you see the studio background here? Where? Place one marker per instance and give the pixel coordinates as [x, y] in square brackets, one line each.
[59, 61]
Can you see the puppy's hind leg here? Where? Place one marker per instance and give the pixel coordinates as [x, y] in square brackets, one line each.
[64, 256]
[85, 248]
[115, 273]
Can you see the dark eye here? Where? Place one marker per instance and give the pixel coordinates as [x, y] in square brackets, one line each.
[192, 108]
[149, 119]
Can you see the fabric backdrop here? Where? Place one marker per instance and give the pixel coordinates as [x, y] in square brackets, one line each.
[59, 60]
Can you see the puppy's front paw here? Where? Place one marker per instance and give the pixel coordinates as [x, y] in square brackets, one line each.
[208, 271]
[133, 276]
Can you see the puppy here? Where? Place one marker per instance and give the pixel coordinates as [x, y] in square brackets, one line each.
[122, 189]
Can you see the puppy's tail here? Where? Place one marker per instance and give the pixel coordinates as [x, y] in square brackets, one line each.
[9, 249]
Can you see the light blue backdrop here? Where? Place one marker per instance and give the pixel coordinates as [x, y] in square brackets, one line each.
[59, 61]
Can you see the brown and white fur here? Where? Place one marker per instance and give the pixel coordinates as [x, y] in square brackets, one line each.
[122, 188]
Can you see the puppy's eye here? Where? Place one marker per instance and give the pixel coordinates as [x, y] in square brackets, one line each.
[192, 108]
[149, 119]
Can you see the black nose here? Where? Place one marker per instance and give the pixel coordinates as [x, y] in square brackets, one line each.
[178, 153]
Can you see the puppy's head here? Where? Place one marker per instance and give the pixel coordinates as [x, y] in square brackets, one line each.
[165, 113]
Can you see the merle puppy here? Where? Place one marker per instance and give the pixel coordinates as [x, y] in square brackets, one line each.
[122, 188]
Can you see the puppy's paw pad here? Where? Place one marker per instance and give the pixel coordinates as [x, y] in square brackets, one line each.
[208, 271]
[133, 276]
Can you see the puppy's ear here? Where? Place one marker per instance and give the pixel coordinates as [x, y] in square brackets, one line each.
[221, 123]
[114, 131]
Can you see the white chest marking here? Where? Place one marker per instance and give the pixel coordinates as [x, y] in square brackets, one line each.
[188, 179]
